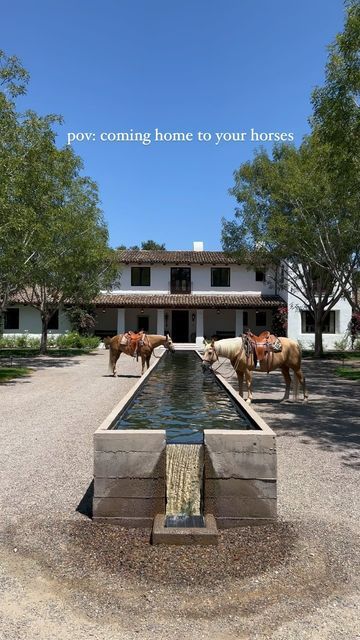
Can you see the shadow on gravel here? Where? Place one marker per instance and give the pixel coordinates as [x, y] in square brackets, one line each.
[330, 418]
[85, 506]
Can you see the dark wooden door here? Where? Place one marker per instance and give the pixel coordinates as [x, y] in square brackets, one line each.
[180, 326]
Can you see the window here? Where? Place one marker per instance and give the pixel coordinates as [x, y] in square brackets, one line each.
[308, 322]
[11, 319]
[259, 276]
[140, 276]
[245, 319]
[54, 321]
[220, 277]
[260, 318]
[180, 280]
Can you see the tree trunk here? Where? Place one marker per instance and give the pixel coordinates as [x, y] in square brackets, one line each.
[318, 337]
[2, 322]
[44, 333]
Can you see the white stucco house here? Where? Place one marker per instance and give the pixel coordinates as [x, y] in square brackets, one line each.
[192, 295]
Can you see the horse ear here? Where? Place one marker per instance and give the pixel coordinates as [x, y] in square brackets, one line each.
[212, 342]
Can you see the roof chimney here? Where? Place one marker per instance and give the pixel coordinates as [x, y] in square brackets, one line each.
[198, 246]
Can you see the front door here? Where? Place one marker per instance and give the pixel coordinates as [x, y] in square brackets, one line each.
[180, 326]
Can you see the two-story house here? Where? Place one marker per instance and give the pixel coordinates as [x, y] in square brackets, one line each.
[190, 294]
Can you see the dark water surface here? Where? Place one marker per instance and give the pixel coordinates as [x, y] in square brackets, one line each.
[180, 398]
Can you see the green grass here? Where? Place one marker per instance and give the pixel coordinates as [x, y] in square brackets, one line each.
[9, 373]
[334, 355]
[349, 374]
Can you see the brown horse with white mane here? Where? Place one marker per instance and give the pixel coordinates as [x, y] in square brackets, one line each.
[144, 349]
[244, 363]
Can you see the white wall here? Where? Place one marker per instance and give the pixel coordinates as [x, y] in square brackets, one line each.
[30, 323]
[241, 280]
[342, 318]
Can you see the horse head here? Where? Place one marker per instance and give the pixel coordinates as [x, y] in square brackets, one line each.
[210, 356]
[169, 345]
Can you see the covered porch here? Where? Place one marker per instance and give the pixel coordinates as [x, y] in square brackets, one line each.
[188, 319]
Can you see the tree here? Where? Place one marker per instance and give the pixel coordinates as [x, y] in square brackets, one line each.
[285, 219]
[147, 245]
[151, 245]
[301, 207]
[14, 232]
[336, 125]
[70, 260]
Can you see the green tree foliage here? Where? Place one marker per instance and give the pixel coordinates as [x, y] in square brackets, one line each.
[53, 238]
[285, 219]
[300, 207]
[147, 245]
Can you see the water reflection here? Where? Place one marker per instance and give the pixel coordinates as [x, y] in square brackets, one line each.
[178, 397]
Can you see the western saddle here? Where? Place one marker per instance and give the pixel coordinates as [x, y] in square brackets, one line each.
[134, 341]
[261, 347]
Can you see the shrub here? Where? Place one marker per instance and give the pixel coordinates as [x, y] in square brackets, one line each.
[74, 340]
[20, 341]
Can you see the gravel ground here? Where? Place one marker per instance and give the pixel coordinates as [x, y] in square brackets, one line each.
[63, 577]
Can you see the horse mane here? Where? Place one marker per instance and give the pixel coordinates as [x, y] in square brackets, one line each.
[228, 347]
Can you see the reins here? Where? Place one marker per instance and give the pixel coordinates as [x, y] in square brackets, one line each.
[237, 361]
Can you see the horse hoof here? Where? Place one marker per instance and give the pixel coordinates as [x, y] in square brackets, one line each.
[248, 401]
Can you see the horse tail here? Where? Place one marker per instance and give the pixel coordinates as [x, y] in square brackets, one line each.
[111, 359]
[296, 387]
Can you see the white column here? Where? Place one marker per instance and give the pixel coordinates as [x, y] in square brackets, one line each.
[160, 322]
[239, 322]
[120, 320]
[200, 328]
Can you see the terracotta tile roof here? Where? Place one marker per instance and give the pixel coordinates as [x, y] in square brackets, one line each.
[176, 257]
[188, 301]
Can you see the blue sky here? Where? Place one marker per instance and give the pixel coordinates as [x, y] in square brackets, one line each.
[189, 66]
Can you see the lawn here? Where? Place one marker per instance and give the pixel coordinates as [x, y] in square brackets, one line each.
[9, 373]
[348, 373]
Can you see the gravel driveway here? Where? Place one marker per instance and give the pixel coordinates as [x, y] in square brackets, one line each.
[63, 577]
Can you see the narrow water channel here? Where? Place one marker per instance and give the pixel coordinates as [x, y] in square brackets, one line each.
[181, 399]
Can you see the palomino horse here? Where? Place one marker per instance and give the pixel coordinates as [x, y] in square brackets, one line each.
[233, 348]
[145, 349]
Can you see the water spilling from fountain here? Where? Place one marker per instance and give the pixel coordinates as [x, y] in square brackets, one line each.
[184, 472]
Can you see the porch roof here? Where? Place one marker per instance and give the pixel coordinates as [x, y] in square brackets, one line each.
[189, 301]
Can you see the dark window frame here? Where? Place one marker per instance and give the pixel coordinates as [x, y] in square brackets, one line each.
[260, 314]
[259, 275]
[140, 276]
[308, 323]
[53, 324]
[10, 314]
[220, 271]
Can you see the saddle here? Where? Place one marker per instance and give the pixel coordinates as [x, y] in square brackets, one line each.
[261, 347]
[134, 341]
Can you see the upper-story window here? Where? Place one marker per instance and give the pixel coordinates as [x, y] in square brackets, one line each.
[180, 280]
[140, 276]
[260, 276]
[220, 277]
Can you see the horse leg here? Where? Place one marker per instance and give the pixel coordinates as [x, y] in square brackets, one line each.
[300, 378]
[286, 373]
[240, 377]
[248, 379]
[114, 357]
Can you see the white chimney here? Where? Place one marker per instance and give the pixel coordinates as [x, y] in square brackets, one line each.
[198, 246]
